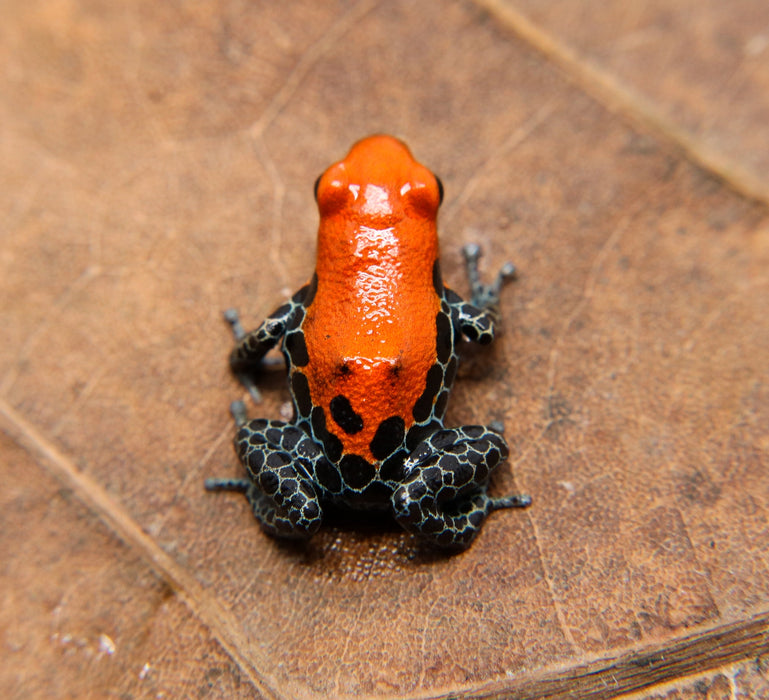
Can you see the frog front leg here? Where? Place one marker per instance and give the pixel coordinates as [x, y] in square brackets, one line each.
[476, 319]
[250, 348]
[484, 297]
[444, 498]
[248, 354]
[279, 459]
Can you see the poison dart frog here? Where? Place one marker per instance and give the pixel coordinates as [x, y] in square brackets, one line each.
[370, 345]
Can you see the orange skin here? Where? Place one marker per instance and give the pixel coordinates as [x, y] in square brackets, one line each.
[370, 329]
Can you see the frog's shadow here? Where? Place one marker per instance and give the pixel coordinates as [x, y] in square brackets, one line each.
[347, 537]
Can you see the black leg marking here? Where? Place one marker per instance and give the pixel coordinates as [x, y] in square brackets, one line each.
[232, 317]
[248, 354]
[444, 496]
[282, 463]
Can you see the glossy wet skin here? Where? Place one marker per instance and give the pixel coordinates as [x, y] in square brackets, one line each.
[370, 345]
[371, 329]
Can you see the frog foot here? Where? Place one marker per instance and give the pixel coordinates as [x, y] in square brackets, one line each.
[444, 498]
[485, 296]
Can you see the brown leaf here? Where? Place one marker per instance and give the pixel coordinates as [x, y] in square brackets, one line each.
[157, 168]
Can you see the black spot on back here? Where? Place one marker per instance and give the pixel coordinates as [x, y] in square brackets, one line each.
[344, 415]
[388, 437]
[424, 404]
[332, 445]
[297, 348]
[318, 418]
[443, 337]
[356, 471]
[451, 372]
[440, 404]
[392, 468]
[328, 476]
[437, 278]
[300, 388]
[418, 433]
[311, 288]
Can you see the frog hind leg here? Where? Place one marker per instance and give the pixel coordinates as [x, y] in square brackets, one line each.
[279, 459]
[444, 498]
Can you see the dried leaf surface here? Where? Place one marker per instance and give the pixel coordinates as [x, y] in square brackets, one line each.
[157, 167]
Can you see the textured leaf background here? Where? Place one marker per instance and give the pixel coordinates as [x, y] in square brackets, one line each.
[156, 167]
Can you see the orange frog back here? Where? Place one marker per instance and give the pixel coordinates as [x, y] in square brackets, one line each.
[370, 328]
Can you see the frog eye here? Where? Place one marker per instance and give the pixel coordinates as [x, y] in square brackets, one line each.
[423, 196]
[333, 191]
[440, 189]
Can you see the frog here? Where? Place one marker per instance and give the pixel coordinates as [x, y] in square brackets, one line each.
[371, 348]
